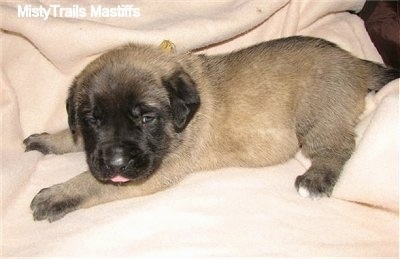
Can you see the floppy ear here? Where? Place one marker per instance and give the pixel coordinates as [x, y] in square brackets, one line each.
[71, 108]
[184, 98]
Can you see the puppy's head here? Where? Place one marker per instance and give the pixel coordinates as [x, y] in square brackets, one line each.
[129, 105]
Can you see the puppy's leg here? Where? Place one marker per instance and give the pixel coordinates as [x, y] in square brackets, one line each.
[85, 191]
[328, 147]
[57, 143]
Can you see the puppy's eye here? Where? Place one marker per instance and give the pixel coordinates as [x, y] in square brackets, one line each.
[148, 118]
[94, 121]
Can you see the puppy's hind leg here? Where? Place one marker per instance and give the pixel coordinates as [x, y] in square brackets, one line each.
[58, 143]
[325, 130]
[329, 149]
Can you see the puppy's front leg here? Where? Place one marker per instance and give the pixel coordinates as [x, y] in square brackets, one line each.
[85, 191]
[58, 143]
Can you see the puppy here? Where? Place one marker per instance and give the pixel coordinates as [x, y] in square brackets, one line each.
[145, 119]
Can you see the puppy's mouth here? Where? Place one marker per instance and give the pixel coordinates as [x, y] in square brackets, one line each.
[119, 179]
[123, 178]
[138, 170]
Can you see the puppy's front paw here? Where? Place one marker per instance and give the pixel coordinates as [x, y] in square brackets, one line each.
[53, 203]
[315, 183]
[37, 142]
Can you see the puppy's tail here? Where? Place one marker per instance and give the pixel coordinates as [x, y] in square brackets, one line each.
[381, 76]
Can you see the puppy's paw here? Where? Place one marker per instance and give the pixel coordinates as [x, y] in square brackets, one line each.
[37, 142]
[53, 203]
[316, 184]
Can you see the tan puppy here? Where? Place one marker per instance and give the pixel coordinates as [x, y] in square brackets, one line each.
[146, 119]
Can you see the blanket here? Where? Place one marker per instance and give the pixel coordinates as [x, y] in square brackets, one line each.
[226, 212]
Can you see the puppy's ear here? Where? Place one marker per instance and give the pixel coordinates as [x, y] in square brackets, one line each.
[184, 98]
[71, 108]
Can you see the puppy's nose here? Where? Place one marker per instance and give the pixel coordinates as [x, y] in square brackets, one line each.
[118, 162]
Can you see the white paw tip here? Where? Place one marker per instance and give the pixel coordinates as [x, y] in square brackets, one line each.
[303, 192]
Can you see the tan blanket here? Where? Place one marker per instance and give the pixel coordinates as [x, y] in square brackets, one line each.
[229, 212]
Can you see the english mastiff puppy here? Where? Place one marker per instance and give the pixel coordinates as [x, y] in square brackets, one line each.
[146, 119]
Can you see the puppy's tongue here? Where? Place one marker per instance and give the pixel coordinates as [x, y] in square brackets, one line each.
[119, 179]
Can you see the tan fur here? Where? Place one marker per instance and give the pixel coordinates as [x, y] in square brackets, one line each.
[258, 106]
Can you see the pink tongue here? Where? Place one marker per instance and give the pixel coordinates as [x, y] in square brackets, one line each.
[119, 179]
